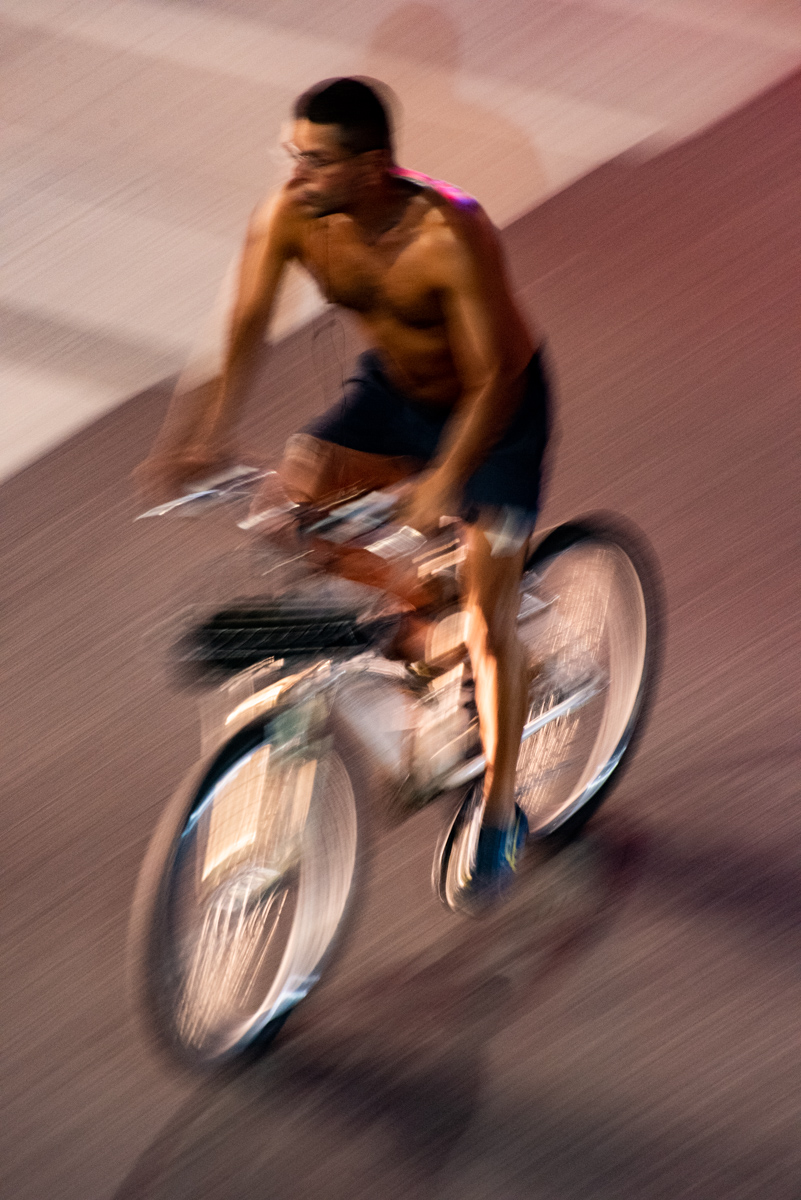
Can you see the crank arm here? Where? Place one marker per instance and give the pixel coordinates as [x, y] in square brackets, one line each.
[475, 766]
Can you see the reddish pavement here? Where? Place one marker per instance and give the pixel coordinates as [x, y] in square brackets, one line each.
[626, 1028]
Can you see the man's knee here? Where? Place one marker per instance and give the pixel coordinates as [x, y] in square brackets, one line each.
[305, 466]
[304, 450]
[312, 468]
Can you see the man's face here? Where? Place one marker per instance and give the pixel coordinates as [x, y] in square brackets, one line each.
[325, 175]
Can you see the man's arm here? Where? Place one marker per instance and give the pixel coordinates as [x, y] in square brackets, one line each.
[195, 436]
[491, 347]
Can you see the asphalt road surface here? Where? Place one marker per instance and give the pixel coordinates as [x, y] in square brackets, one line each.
[627, 1028]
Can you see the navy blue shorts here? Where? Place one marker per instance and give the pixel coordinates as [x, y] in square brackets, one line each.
[373, 416]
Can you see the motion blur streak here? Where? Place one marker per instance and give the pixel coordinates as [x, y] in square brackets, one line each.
[625, 1028]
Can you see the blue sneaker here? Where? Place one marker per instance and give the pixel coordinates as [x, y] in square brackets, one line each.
[478, 862]
[498, 856]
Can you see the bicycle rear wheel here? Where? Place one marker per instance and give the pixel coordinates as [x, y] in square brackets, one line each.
[597, 630]
[243, 891]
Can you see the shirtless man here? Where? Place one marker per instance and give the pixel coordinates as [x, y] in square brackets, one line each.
[452, 384]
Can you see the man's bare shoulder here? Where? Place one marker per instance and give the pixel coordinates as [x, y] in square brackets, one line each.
[452, 231]
[453, 217]
[440, 193]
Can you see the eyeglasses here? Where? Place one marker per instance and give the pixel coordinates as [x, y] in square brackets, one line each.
[311, 161]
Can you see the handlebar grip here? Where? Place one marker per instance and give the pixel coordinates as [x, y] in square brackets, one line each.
[232, 483]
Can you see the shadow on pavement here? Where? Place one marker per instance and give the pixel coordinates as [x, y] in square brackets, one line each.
[375, 1082]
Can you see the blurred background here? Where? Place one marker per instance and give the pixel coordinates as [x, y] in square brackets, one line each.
[631, 1031]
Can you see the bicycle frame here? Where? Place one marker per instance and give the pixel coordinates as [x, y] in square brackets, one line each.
[428, 729]
[432, 718]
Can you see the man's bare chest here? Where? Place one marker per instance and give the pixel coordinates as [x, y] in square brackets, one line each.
[390, 281]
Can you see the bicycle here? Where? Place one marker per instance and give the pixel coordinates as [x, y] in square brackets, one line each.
[248, 878]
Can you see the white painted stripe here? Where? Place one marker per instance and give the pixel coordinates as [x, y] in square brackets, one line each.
[103, 268]
[42, 408]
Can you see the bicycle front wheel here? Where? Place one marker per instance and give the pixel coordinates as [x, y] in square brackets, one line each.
[243, 891]
[589, 622]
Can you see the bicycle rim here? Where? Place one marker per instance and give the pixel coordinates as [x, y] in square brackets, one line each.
[258, 887]
[594, 624]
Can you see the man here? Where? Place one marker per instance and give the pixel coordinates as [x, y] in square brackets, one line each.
[453, 383]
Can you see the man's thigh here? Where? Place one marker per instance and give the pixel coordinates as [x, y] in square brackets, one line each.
[313, 469]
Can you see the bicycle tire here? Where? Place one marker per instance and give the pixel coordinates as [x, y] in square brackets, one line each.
[602, 591]
[244, 891]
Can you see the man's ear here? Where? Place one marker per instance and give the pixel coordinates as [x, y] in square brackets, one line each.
[377, 162]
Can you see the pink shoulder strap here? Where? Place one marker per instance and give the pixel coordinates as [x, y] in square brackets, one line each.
[448, 190]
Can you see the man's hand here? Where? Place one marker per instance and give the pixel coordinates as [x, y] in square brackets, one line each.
[432, 498]
[165, 474]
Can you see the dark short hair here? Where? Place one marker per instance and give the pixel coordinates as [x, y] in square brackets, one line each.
[354, 106]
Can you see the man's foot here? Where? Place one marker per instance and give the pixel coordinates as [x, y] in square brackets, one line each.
[478, 862]
[498, 856]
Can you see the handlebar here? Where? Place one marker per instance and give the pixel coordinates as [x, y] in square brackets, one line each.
[339, 524]
[235, 483]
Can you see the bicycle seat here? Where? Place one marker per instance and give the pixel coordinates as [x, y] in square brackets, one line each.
[241, 635]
